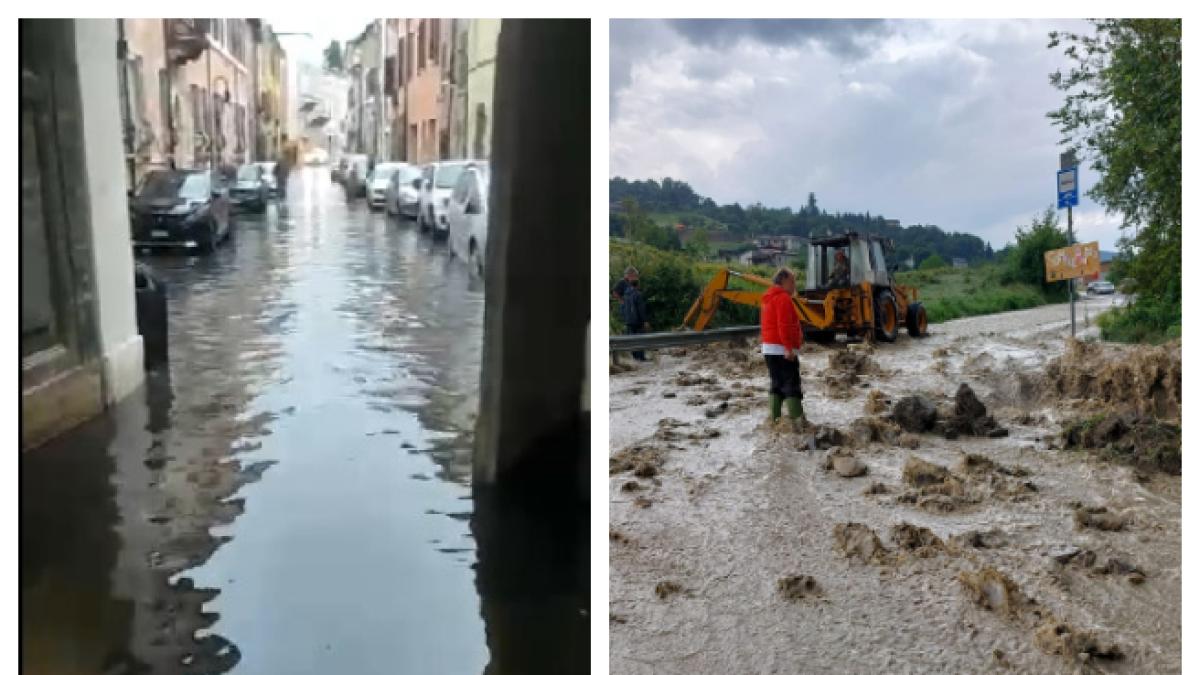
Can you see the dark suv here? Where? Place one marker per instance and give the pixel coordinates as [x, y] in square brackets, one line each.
[252, 190]
[180, 208]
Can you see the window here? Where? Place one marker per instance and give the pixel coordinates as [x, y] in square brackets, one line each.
[421, 48]
[403, 56]
[434, 42]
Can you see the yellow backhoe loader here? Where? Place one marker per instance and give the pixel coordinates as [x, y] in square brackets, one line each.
[849, 290]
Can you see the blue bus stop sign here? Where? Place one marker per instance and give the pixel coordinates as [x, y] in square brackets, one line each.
[1068, 187]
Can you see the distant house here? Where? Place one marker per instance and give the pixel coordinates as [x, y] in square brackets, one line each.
[770, 256]
[891, 223]
[787, 242]
[959, 263]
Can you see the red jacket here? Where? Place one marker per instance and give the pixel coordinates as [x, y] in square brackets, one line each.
[780, 323]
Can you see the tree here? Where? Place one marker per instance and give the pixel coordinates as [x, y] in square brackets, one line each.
[1123, 112]
[811, 208]
[933, 262]
[333, 57]
[698, 246]
[1026, 261]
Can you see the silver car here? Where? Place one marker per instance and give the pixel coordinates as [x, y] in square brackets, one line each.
[438, 181]
[404, 192]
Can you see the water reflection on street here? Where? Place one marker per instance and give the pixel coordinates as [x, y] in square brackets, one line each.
[292, 495]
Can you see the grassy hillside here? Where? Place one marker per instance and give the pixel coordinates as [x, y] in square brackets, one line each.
[950, 293]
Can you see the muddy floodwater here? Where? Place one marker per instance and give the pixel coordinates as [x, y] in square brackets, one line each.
[292, 494]
[865, 548]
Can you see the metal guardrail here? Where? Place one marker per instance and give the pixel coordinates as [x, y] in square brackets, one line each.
[641, 341]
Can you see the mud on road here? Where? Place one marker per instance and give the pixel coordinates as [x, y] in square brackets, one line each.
[970, 544]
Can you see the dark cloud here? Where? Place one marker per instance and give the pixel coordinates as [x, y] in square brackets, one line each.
[629, 42]
[843, 37]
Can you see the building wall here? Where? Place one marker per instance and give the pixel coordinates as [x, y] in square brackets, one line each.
[112, 254]
[145, 68]
[423, 87]
[482, 38]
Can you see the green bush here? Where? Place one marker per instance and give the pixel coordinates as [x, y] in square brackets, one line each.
[671, 282]
[933, 262]
[1144, 321]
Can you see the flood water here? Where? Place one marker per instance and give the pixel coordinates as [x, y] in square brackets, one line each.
[292, 495]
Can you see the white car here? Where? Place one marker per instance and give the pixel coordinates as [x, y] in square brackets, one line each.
[467, 216]
[404, 192]
[438, 181]
[269, 177]
[378, 182]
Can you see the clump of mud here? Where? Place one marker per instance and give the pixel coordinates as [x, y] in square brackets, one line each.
[934, 487]
[916, 414]
[909, 441]
[876, 403]
[969, 417]
[877, 489]
[867, 430]
[1099, 518]
[918, 541]
[1148, 379]
[1130, 438]
[665, 589]
[991, 589]
[618, 536]
[1059, 638]
[845, 367]
[797, 587]
[643, 461]
[631, 486]
[979, 465]
[843, 462]
[981, 539]
[821, 437]
[693, 380]
[856, 540]
[1088, 561]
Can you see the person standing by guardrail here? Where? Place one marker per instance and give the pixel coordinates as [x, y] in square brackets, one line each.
[782, 339]
[633, 312]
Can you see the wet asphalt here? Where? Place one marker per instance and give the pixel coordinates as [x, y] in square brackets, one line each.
[290, 495]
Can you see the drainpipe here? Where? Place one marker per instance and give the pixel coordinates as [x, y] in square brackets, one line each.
[168, 66]
[126, 110]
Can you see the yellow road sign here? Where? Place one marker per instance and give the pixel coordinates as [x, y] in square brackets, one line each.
[1072, 262]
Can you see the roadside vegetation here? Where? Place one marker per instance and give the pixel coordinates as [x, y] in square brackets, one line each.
[1123, 113]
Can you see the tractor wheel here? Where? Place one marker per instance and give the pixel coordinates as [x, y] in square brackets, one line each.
[917, 322]
[887, 317]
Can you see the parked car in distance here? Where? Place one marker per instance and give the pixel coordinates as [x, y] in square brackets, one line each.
[1101, 288]
[250, 190]
[403, 193]
[338, 173]
[378, 183]
[187, 208]
[467, 216]
[438, 181]
[268, 169]
[355, 178]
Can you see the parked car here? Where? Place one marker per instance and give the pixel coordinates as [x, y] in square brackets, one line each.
[250, 190]
[403, 192]
[378, 183]
[467, 216]
[268, 169]
[438, 181]
[1101, 288]
[338, 173]
[188, 208]
[355, 178]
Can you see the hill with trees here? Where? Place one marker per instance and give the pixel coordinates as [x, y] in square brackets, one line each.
[635, 204]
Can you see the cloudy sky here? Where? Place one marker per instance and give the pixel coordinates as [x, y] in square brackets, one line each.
[323, 31]
[940, 122]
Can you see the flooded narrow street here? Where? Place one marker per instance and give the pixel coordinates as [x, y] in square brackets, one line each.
[292, 495]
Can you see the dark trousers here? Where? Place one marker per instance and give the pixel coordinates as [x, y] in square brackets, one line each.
[785, 376]
[634, 330]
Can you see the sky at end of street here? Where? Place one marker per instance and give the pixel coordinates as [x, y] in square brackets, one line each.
[323, 31]
[930, 122]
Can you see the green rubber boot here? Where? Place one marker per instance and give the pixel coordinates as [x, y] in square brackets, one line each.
[796, 412]
[776, 406]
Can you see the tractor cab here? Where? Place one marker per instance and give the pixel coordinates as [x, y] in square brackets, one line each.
[846, 260]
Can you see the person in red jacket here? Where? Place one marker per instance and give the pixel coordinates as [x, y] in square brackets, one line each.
[781, 340]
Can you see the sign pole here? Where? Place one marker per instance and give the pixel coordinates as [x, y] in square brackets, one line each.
[1068, 197]
[1071, 282]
